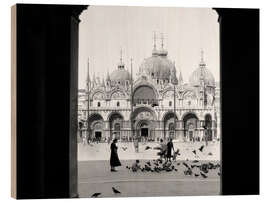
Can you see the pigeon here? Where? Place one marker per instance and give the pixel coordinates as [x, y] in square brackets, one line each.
[178, 164]
[175, 169]
[194, 151]
[195, 161]
[96, 194]
[218, 173]
[185, 165]
[124, 148]
[115, 191]
[188, 172]
[210, 154]
[148, 163]
[147, 147]
[203, 175]
[196, 175]
[201, 148]
[192, 166]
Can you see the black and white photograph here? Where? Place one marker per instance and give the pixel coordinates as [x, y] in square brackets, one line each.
[149, 113]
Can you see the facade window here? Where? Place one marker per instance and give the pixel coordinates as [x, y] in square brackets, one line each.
[98, 104]
[170, 103]
[118, 103]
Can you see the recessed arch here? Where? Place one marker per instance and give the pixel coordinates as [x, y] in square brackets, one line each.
[143, 109]
[115, 114]
[145, 94]
[98, 95]
[190, 125]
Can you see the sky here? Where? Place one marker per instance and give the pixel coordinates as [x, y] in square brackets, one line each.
[105, 30]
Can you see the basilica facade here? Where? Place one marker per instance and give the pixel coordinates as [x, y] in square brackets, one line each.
[152, 104]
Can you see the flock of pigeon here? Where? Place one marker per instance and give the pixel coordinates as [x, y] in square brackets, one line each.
[160, 165]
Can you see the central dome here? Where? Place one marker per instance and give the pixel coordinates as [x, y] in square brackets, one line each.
[157, 67]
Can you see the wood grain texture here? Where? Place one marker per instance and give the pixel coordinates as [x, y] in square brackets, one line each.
[13, 101]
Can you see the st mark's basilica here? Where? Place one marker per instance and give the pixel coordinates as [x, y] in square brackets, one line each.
[152, 104]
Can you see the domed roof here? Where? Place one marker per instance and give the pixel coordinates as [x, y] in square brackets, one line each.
[202, 72]
[157, 66]
[120, 75]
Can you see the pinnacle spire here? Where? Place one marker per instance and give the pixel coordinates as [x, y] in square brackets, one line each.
[162, 40]
[121, 65]
[121, 55]
[155, 38]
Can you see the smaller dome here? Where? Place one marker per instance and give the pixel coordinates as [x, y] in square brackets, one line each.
[202, 72]
[120, 75]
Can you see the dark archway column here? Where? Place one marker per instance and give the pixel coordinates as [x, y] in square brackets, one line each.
[47, 74]
[239, 65]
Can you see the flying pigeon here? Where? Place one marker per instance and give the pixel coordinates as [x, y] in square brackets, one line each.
[185, 165]
[124, 148]
[203, 175]
[96, 194]
[194, 151]
[201, 148]
[115, 191]
[147, 147]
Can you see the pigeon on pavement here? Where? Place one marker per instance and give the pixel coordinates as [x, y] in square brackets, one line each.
[96, 194]
[203, 175]
[115, 191]
[201, 148]
[147, 147]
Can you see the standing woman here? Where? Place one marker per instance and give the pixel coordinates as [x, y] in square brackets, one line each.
[114, 160]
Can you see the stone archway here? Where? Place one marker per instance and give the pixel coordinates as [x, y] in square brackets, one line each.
[190, 126]
[146, 95]
[95, 127]
[143, 122]
[115, 125]
[169, 124]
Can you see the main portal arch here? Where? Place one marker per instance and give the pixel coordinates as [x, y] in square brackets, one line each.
[143, 123]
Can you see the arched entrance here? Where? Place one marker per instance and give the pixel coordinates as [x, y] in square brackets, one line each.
[115, 125]
[169, 122]
[95, 127]
[190, 126]
[143, 129]
[143, 119]
[208, 125]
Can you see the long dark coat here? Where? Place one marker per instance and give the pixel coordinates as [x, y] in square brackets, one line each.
[169, 149]
[114, 160]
